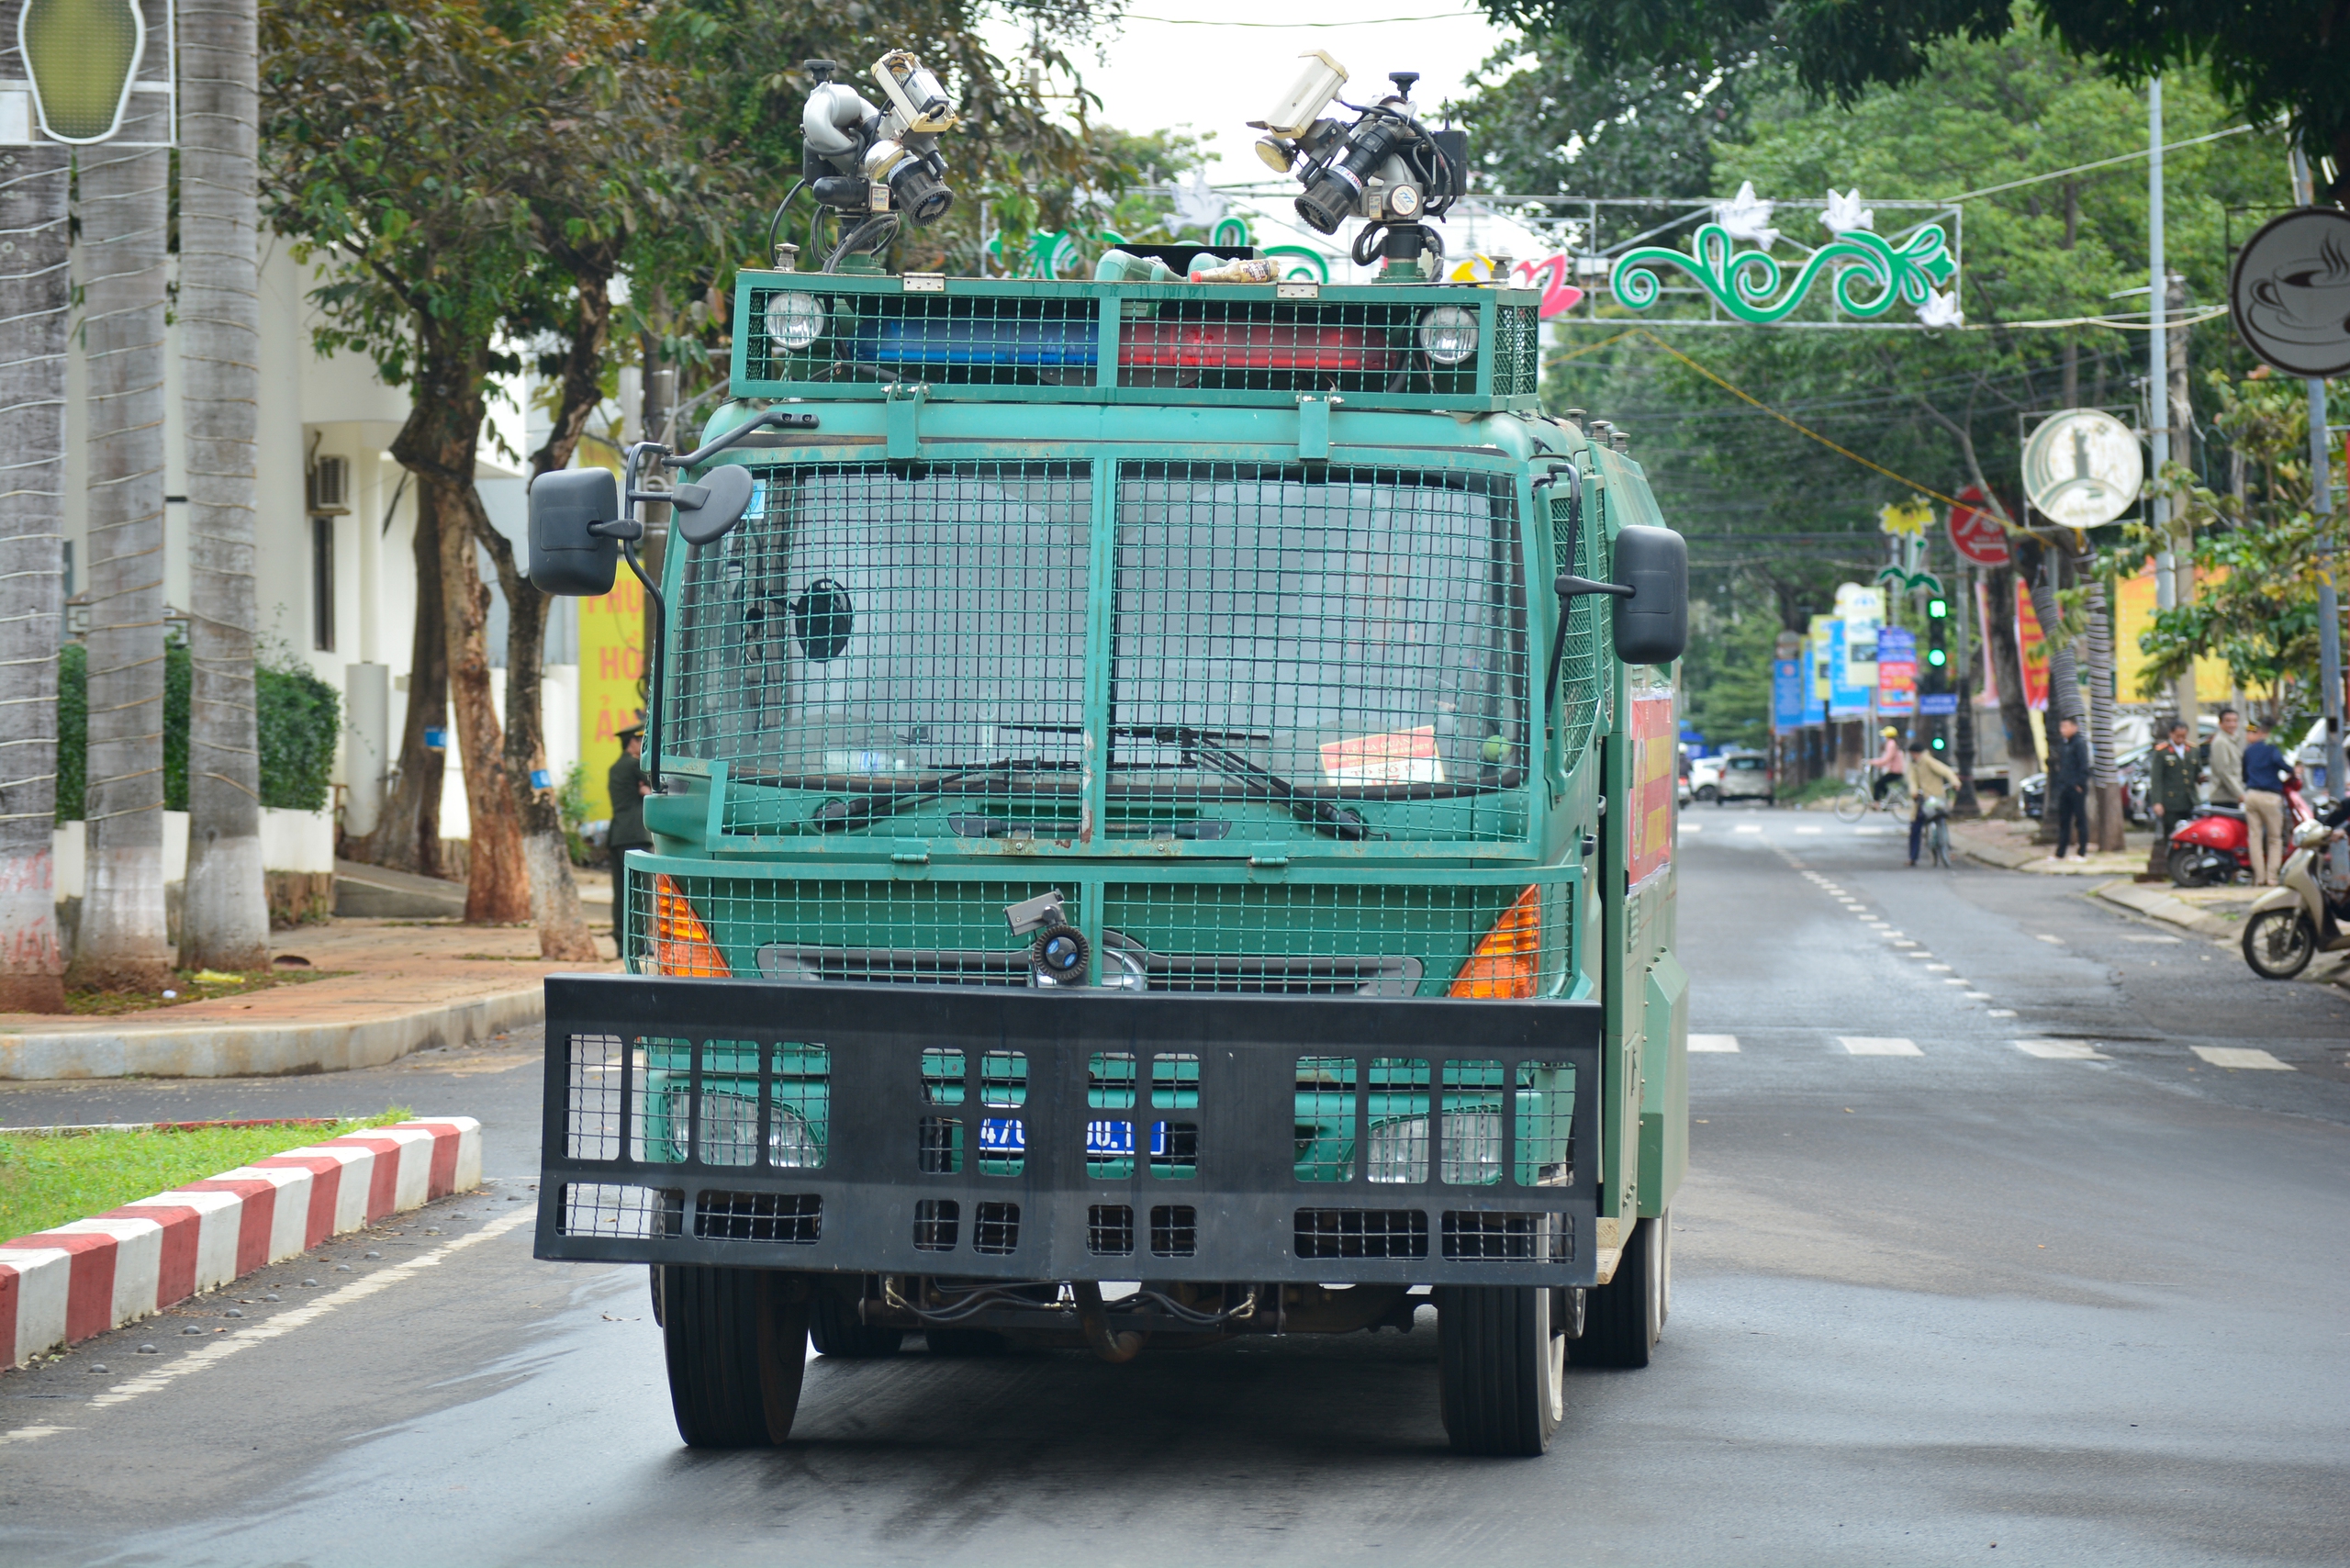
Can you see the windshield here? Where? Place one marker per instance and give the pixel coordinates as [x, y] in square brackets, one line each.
[868, 631]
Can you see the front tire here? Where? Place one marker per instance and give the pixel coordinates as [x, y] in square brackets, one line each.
[2280, 943]
[736, 1347]
[1624, 1319]
[1502, 1364]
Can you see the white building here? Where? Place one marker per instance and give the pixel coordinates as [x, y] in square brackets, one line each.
[335, 581]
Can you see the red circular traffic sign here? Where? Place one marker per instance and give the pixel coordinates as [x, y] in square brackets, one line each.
[1975, 533]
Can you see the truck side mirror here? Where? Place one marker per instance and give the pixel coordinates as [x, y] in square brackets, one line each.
[708, 512]
[1652, 606]
[566, 557]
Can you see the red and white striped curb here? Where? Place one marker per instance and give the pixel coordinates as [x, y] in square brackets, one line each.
[64, 1285]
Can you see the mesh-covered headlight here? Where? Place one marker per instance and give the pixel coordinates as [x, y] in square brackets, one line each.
[1473, 1149]
[795, 320]
[1448, 334]
[730, 1131]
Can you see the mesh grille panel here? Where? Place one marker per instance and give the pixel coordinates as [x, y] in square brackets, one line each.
[927, 933]
[620, 1212]
[1583, 663]
[883, 641]
[863, 338]
[1306, 639]
[1446, 347]
[1472, 1237]
[1362, 1233]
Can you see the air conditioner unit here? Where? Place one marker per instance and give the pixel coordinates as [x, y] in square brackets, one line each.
[330, 486]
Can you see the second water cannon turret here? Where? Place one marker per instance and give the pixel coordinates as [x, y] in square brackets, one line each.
[1385, 168]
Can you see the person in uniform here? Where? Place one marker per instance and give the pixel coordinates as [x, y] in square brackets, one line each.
[625, 784]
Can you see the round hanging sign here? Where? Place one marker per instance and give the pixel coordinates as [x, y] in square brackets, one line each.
[2289, 293]
[2082, 468]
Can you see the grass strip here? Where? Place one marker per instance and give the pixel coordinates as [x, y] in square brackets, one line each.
[51, 1179]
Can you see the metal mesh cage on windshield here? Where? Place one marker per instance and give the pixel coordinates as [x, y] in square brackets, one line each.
[1293, 652]
[1583, 663]
[1295, 643]
[887, 640]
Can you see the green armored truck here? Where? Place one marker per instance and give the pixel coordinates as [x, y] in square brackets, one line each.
[1164, 833]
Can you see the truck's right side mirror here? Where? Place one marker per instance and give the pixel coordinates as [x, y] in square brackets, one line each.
[566, 557]
[1652, 621]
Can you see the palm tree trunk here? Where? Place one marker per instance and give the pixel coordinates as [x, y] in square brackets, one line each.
[224, 918]
[35, 293]
[438, 445]
[122, 940]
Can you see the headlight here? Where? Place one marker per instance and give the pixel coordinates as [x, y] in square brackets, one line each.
[730, 1131]
[1448, 334]
[795, 320]
[1473, 1149]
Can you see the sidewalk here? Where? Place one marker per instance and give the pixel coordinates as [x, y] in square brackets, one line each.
[410, 985]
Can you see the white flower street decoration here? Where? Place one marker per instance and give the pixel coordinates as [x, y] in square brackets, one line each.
[1942, 310]
[1197, 204]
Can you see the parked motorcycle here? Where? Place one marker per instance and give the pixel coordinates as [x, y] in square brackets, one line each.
[2214, 845]
[2295, 922]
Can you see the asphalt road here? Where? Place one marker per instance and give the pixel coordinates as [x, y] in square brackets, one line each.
[1938, 1297]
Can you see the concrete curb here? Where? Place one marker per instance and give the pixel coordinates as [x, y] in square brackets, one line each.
[2147, 899]
[64, 1285]
[241, 1050]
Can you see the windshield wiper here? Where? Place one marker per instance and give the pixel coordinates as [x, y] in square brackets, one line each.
[1342, 822]
[835, 815]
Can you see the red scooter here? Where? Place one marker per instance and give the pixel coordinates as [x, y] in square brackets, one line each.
[2214, 845]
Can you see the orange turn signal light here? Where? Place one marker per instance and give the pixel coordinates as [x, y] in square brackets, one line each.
[1503, 966]
[681, 944]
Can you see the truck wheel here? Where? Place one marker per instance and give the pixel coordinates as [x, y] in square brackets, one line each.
[833, 1326]
[1502, 1367]
[1625, 1317]
[736, 1350]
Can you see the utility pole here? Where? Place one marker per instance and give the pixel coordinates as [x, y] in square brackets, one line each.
[2328, 607]
[2158, 343]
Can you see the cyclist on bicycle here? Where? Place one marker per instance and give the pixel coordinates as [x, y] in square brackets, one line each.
[1888, 765]
[1931, 784]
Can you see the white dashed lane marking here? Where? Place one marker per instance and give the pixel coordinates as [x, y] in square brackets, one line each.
[1725, 1044]
[2060, 1050]
[1879, 1046]
[2248, 1057]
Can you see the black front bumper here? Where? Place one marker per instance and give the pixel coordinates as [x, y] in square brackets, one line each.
[615, 1186]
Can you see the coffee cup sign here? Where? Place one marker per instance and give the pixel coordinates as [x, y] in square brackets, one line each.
[2289, 294]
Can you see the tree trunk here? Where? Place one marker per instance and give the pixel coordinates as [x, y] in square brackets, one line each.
[2007, 669]
[438, 445]
[224, 915]
[555, 894]
[122, 942]
[408, 835]
[2104, 779]
[35, 293]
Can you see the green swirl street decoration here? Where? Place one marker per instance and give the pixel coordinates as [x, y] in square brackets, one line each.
[1746, 283]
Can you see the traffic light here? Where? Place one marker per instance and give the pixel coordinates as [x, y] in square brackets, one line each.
[1937, 658]
[1937, 608]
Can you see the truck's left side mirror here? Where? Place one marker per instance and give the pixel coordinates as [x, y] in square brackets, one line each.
[566, 557]
[1652, 620]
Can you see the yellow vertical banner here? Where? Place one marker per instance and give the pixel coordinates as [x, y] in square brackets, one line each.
[611, 668]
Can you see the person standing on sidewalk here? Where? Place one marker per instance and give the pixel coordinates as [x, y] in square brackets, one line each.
[2170, 797]
[2226, 757]
[1931, 784]
[2265, 777]
[2069, 785]
[625, 784]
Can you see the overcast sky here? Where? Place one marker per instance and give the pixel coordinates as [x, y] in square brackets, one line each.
[1158, 74]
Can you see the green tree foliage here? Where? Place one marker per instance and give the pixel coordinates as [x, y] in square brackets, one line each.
[2256, 550]
[1726, 675]
[2262, 60]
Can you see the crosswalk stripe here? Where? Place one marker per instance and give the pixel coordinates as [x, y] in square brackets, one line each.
[2251, 1057]
[1879, 1046]
[2060, 1050]
[1727, 1042]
